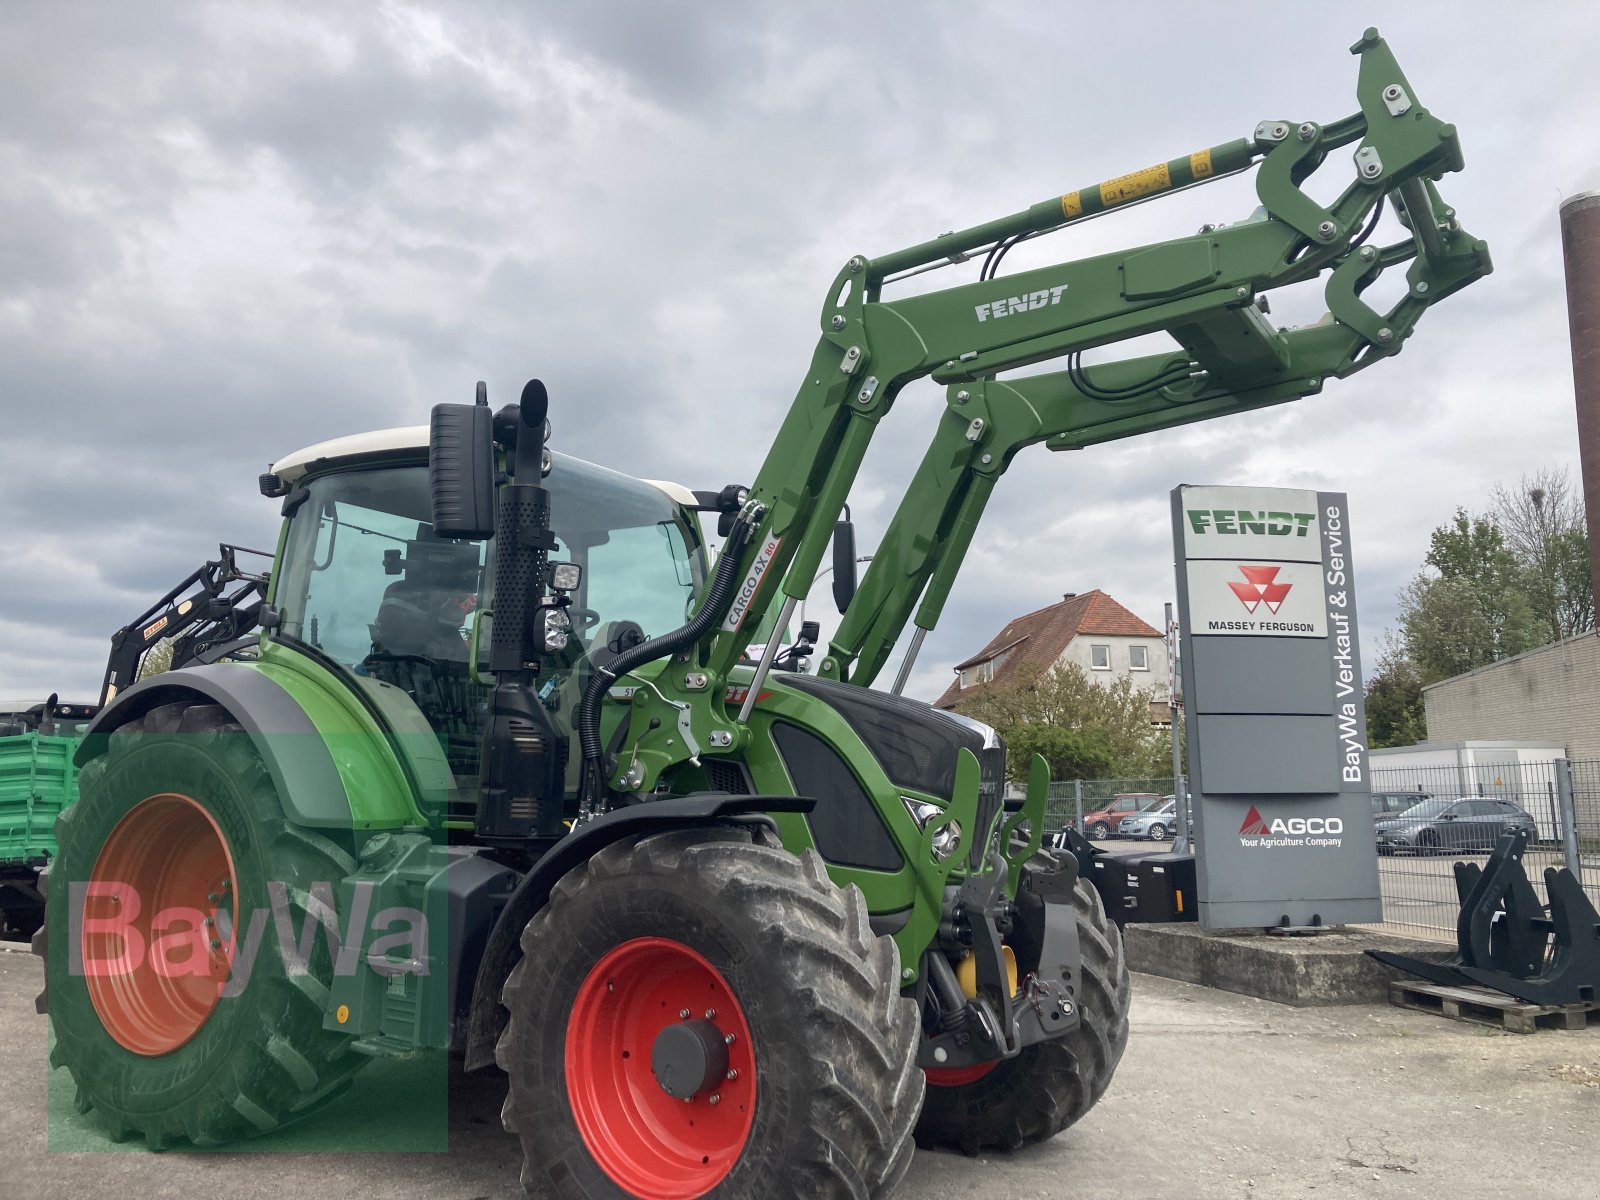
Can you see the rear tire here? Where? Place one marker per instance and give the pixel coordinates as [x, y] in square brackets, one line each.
[834, 1091]
[251, 1062]
[1050, 1085]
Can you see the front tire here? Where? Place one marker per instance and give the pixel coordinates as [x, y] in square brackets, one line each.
[180, 814]
[1158, 833]
[1050, 1085]
[1099, 831]
[719, 935]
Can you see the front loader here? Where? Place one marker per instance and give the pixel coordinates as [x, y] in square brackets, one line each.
[506, 783]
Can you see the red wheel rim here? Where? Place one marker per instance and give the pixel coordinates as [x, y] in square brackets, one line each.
[648, 1142]
[159, 917]
[957, 1076]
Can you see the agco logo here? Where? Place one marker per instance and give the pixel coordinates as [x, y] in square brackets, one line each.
[1259, 588]
[1255, 825]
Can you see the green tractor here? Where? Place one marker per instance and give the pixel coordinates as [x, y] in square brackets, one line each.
[504, 779]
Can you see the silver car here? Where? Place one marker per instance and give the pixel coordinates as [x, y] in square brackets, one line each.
[1153, 824]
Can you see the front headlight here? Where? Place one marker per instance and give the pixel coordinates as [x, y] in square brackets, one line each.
[948, 840]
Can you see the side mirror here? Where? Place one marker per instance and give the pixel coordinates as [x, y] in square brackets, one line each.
[844, 564]
[461, 469]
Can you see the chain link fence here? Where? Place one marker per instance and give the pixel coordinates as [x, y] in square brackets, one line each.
[1453, 813]
[1072, 799]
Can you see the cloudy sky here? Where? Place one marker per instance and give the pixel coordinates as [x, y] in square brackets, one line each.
[227, 231]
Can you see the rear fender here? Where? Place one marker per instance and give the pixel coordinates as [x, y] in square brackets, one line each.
[311, 769]
[504, 946]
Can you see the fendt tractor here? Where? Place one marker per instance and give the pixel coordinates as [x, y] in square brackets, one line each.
[505, 781]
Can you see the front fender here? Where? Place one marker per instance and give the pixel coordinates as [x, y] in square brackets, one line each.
[504, 946]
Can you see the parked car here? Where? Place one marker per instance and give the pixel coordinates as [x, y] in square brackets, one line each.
[1388, 804]
[1098, 824]
[1448, 825]
[1153, 823]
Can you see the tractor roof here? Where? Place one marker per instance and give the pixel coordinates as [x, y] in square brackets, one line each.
[387, 443]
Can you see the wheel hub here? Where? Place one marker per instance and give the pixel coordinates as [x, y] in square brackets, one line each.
[689, 1057]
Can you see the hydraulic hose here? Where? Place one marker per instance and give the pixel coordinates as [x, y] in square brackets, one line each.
[709, 613]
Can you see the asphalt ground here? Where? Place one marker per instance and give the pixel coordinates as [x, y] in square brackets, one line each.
[1218, 1096]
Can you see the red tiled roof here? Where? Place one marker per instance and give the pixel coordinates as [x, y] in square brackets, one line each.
[1037, 639]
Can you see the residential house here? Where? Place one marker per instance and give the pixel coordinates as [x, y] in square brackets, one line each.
[1089, 629]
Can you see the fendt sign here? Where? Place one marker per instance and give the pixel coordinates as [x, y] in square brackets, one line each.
[1273, 708]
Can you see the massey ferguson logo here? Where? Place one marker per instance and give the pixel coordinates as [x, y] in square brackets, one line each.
[1259, 588]
[1256, 830]
[1012, 305]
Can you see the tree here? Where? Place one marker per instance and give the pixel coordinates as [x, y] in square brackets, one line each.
[1543, 524]
[1071, 753]
[1476, 610]
[1065, 715]
[1395, 715]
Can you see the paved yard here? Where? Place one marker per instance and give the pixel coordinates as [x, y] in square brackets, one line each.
[1219, 1096]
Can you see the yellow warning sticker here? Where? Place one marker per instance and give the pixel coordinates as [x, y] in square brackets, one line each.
[1200, 164]
[1140, 183]
[1071, 206]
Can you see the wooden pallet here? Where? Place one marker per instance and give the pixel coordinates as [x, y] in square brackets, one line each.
[1483, 1006]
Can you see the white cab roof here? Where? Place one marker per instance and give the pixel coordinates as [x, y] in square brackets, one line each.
[291, 467]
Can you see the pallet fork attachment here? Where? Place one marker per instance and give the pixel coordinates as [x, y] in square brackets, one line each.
[1507, 940]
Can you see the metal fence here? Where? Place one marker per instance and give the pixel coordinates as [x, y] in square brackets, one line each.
[1417, 880]
[1465, 806]
[1070, 799]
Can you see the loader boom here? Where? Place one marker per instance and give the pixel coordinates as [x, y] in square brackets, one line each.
[1202, 290]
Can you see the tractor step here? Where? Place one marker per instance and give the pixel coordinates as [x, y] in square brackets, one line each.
[1481, 1006]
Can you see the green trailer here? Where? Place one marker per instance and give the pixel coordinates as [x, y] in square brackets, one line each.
[37, 780]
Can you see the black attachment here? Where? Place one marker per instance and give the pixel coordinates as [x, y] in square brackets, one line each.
[1501, 926]
[205, 610]
[844, 562]
[461, 469]
[1572, 975]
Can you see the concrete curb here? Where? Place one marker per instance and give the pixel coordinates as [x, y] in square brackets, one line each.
[1327, 968]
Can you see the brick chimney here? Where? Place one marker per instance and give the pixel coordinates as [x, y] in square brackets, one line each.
[1580, 250]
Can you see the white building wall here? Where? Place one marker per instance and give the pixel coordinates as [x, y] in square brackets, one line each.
[1079, 652]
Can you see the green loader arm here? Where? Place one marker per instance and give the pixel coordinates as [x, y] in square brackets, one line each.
[1201, 289]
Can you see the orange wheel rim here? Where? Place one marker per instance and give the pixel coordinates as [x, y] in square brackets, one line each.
[160, 917]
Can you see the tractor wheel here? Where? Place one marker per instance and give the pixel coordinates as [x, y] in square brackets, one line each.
[1047, 1087]
[702, 1011]
[178, 833]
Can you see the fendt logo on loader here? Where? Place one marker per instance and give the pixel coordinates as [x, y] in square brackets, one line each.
[1010, 306]
[1257, 830]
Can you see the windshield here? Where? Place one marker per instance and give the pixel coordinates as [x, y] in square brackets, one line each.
[1429, 808]
[365, 581]
[363, 572]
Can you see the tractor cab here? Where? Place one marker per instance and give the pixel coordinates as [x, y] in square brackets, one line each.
[367, 586]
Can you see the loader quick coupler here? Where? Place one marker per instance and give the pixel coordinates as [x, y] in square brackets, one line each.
[1007, 1012]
